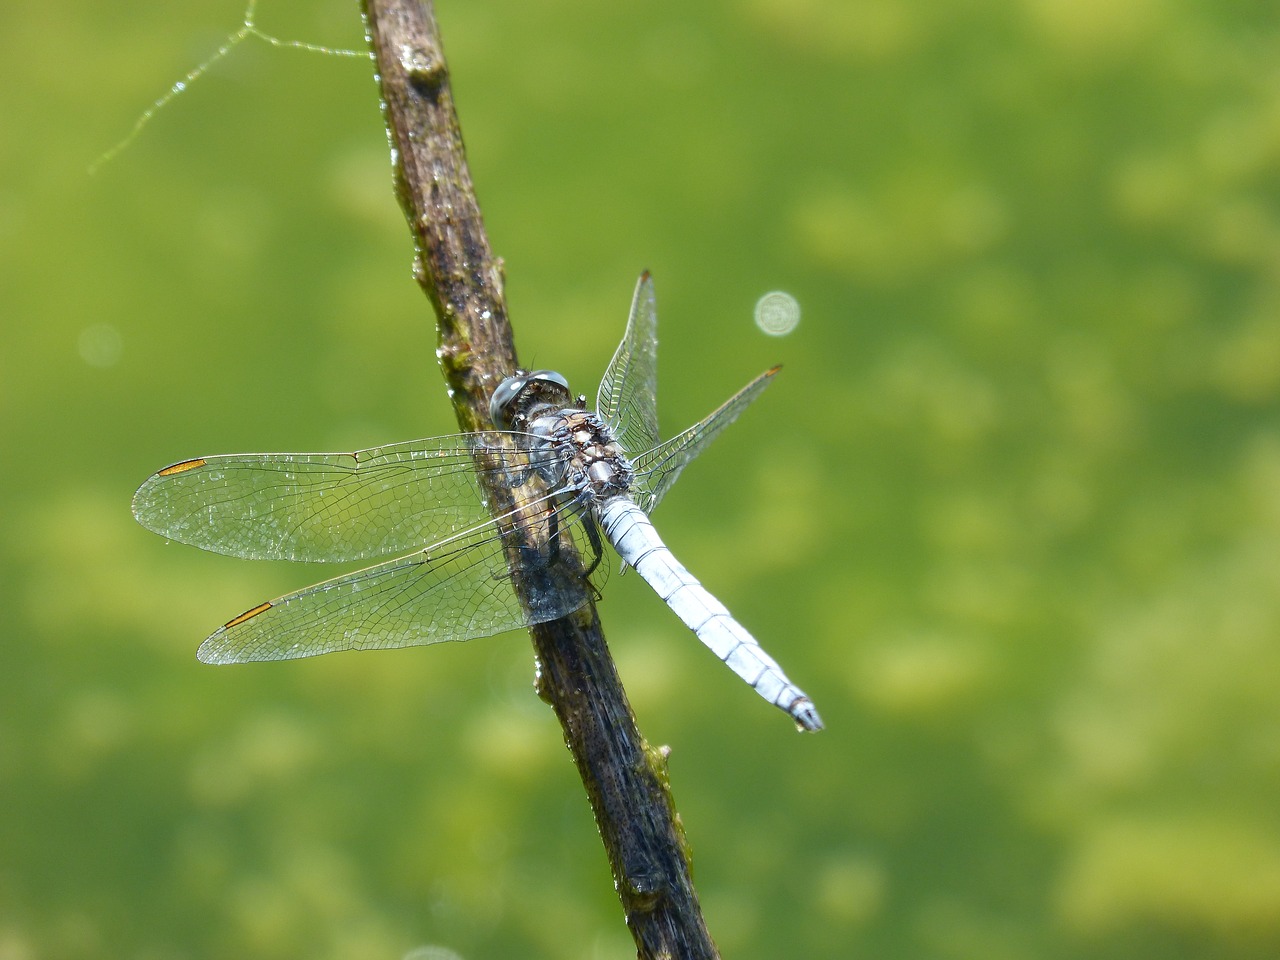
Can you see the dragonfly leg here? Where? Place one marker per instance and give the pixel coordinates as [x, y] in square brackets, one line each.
[597, 546]
[548, 552]
[553, 536]
[589, 526]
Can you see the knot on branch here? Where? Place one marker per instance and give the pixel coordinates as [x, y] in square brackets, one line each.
[425, 69]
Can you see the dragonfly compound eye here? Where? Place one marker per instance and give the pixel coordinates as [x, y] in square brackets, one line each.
[501, 409]
[528, 395]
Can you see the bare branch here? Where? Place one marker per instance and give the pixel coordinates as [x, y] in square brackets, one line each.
[625, 778]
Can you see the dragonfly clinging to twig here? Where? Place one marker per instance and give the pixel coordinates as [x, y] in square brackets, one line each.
[424, 503]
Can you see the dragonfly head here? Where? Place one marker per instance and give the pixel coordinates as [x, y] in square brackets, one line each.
[523, 397]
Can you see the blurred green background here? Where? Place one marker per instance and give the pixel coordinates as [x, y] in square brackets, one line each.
[1011, 514]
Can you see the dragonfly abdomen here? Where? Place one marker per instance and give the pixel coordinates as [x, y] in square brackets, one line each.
[638, 543]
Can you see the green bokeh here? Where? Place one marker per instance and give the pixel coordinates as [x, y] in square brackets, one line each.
[1011, 514]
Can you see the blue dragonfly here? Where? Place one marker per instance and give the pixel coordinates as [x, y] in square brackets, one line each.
[574, 475]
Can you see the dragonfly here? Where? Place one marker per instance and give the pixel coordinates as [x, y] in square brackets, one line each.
[568, 478]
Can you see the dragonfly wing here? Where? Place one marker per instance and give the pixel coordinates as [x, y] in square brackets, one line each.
[628, 394]
[322, 506]
[456, 590]
[658, 468]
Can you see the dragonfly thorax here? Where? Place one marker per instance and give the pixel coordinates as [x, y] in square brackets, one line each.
[582, 454]
[574, 448]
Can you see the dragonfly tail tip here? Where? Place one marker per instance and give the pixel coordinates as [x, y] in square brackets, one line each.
[806, 716]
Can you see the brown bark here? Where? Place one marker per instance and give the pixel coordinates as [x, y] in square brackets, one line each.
[625, 778]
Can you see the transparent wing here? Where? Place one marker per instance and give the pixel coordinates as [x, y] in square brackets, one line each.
[657, 469]
[324, 506]
[458, 589]
[628, 394]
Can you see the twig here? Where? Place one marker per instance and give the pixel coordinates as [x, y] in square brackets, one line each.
[625, 778]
